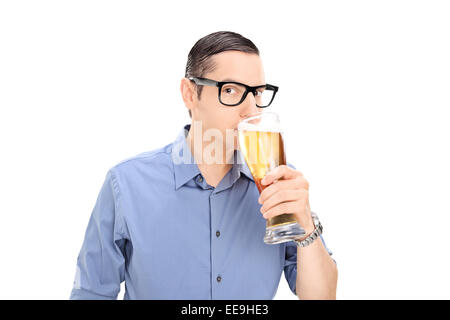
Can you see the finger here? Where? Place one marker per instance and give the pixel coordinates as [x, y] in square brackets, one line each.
[285, 207]
[292, 184]
[283, 196]
[280, 172]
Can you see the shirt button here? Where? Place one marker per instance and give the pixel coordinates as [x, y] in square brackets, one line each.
[217, 233]
[219, 278]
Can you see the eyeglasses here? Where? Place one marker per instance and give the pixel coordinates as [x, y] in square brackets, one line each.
[232, 93]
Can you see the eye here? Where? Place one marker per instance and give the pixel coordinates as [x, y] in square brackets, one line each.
[232, 90]
[229, 90]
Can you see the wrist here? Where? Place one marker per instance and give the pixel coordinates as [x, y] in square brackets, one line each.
[310, 236]
[308, 230]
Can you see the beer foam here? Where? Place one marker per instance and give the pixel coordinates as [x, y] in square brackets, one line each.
[266, 127]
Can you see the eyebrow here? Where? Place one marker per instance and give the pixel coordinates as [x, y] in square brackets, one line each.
[233, 80]
[229, 79]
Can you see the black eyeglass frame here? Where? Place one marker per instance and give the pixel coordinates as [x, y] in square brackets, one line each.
[220, 84]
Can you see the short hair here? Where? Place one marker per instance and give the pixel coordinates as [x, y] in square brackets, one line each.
[199, 60]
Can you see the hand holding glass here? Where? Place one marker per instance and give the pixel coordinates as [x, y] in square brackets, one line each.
[261, 143]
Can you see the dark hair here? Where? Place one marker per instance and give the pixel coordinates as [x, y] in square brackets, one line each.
[199, 60]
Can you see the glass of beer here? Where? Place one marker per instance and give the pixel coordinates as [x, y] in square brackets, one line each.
[261, 143]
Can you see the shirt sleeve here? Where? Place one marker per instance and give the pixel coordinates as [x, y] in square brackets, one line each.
[101, 264]
[290, 264]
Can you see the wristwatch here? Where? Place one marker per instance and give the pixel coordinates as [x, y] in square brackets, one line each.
[314, 235]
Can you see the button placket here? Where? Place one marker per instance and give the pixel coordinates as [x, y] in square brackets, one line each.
[213, 218]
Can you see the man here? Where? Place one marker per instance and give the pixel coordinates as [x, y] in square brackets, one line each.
[174, 225]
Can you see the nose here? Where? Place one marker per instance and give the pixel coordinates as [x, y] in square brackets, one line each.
[249, 105]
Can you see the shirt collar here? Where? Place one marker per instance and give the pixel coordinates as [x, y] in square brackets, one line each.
[185, 167]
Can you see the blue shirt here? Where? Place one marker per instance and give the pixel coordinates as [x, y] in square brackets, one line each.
[161, 228]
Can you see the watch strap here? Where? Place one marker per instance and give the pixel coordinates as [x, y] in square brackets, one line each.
[314, 235]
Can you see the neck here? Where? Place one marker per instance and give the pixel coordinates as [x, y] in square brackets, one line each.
[212, 166]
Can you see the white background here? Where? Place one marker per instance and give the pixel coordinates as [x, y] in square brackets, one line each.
[364, 100]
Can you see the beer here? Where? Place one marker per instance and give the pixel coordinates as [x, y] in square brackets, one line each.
[263, 151]
[261, 143]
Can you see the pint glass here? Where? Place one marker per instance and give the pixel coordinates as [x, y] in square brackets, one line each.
[261, 144]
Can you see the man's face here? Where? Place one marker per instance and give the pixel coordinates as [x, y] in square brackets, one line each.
[230, 66]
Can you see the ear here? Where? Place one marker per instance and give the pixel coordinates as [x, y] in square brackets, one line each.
[188, 93]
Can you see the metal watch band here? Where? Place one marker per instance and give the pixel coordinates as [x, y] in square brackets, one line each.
[314, 235]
